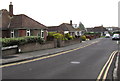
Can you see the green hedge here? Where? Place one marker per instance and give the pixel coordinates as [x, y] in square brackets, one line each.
[21, 40]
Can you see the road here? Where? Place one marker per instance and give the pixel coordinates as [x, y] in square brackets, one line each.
[83, 63]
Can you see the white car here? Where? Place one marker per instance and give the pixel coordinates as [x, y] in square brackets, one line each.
[107, 36]
[116, 37]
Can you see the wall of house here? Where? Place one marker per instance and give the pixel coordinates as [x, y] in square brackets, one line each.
[0, 19]
[35, 32]
[5, 19]
[5, 34]
[45, 34]
[22, 33]
[0, 33]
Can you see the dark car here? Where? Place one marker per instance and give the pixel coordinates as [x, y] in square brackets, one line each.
[116, 37]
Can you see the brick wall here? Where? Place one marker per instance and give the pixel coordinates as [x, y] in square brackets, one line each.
[36, 46]
[69, 42]
[45, 34]
[0, 20]
[5, 34]
[22, 33]
[35, 32]
[5, 19]
[7, 52]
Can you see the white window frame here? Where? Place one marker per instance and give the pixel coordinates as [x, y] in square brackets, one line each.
[28, 32]
[12, 33]
[42, 33]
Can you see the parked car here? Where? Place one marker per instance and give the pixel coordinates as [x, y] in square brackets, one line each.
[116, 37]
[107, 36]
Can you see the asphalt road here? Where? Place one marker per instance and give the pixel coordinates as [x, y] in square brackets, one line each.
[84, 63]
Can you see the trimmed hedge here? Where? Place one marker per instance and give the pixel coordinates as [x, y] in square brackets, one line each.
[21, 40]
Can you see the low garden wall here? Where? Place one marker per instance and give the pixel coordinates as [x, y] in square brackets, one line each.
[69, 42]
[37, 46]
[9, 50]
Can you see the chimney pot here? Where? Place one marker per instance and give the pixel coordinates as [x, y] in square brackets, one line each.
[10, 3]
[11, 9]
[71, 22]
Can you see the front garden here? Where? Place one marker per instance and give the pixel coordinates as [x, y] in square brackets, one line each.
[21, 40]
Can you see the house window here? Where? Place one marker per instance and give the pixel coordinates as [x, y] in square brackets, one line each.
[42, 34]
[27, 32]
[12, 33]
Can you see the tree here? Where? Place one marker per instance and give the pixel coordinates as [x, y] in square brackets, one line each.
[81, 26]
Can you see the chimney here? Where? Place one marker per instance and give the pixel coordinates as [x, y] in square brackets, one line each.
[11, 9]
[71, 22]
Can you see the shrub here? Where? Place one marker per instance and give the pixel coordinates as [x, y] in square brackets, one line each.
[53, 35]
[65, 39]
[68, 36]
[58, 36]
[83, 37]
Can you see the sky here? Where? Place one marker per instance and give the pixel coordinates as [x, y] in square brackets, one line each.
[55, 12]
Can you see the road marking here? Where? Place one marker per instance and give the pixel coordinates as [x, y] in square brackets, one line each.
[106, 72]
[45, 57]
[75, 62]
[103, 69]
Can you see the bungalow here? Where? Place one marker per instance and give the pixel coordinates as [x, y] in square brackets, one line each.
[99, 29]
[112, 29]
[20, 25]
[63, 28]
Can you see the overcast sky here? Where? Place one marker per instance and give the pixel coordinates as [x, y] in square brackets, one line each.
[54, 12]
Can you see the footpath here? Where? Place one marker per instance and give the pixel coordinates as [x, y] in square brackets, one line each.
[119, 68]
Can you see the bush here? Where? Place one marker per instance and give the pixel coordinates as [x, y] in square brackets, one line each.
[68, 36]
[53, 35]
[21, 40]
[65, 39]
[83, 37]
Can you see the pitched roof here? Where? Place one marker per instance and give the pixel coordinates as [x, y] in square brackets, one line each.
[23, 21]
[4, 18]
[67, 27]
[77, 29]
[54, 28]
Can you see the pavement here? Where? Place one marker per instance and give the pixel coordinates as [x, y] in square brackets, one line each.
[36, 54]
[119, 68]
